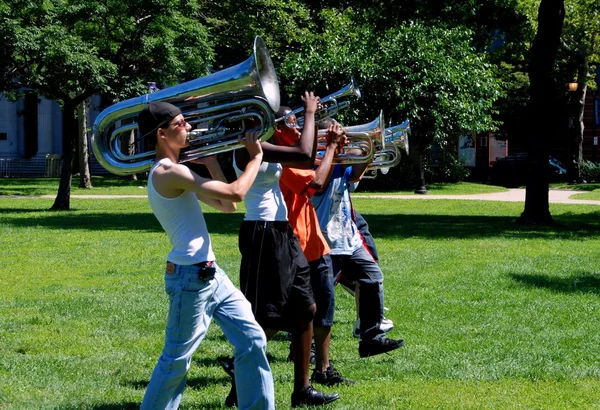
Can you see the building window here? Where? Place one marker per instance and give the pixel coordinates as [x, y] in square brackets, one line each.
[3, 136]
[483, 141]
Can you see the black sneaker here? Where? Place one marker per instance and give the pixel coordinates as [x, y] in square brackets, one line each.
[330, 377]
[378, 345]
[312, 359]
[311, 397]
[227, 365]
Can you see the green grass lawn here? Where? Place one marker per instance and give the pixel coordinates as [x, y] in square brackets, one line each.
[49, 186]
[593, 193]
[123, 186]
[495, 315]
[459, 188]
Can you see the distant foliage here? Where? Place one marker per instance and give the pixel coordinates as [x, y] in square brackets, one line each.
[590, 171]
[450, 169]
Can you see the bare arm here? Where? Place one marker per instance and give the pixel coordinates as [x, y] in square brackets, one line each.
[336, 139]
[173, 179]
[298, 156]
[216, 172]
[358, 170]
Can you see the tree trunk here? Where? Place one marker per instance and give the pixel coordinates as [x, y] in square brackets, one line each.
[576, 127]
[85, 180]
[542, 93]
[416, 153]
[131, 151]
[63, 198]
[421, 188]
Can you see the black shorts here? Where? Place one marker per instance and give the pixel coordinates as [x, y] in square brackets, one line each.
[274, 273]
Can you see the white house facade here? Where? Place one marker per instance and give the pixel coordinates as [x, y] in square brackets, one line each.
[31, 136]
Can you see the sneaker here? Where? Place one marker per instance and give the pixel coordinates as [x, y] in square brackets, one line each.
[227, 365]
[378, 345]
[313, 354]
[330, 377]
[311, 397]
[386, 325]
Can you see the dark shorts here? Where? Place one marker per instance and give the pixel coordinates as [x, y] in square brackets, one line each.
[322, 281]
[274, 273]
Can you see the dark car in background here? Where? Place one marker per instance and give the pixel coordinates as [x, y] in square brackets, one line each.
[511, 171]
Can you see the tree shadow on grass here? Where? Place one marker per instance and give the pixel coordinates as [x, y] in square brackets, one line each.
[100, 221]
[398, 226]
[578, 283]
[404, 226]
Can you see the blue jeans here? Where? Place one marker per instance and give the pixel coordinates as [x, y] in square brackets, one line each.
[361, 267]
[192, 305]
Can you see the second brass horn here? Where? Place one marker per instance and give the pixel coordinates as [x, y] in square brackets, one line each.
[396, 138]
[331, 105]
[220, 102]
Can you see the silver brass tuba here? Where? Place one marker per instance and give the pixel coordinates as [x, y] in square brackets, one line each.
[331, 105]
[363, 142]
[216, 104]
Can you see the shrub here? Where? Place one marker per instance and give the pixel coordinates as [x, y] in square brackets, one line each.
[590, 171]
[450, 169]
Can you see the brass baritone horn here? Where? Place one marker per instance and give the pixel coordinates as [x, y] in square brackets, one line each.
[219, 102]
[396, 138]
[398, 135]
[365, 137]
[331, 105]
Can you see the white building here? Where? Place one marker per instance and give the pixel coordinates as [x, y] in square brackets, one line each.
[31, 137]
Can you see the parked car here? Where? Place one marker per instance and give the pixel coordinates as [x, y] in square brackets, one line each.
[511, 171]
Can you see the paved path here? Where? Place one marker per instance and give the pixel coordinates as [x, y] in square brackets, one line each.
[556, 196]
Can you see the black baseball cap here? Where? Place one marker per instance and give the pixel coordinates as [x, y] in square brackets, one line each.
[154, 116]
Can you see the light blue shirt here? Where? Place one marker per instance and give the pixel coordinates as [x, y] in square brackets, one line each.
[335, 214]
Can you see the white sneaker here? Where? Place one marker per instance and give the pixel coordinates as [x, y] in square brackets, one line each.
[386, 325]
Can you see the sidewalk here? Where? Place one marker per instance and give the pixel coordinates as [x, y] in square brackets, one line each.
[556, 196]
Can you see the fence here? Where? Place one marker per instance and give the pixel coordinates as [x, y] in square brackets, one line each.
[35, 167]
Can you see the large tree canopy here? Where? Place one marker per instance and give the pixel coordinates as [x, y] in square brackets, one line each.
[70, 50]
[432, 75]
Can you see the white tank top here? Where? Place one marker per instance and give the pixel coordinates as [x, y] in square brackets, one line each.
[264, 201]
[184, 223]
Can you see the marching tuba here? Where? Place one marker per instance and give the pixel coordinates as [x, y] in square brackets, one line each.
[363, 142]
[216, 105]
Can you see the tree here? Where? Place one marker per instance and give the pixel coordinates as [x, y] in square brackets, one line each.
[543, 96]
[69, 50]
[432, 75]
[581, 43]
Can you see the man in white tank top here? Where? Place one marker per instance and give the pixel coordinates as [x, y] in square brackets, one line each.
[198, 289]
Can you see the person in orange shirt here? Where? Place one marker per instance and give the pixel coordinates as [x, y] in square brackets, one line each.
[297, 186]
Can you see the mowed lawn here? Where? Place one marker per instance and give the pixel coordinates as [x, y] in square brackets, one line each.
[494, 315]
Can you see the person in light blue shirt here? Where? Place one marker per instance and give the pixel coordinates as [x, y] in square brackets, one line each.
[351, 258]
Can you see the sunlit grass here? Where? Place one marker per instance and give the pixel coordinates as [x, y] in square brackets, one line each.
[494, 314]
[49, 186]
[459, 188]
[592, 195]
